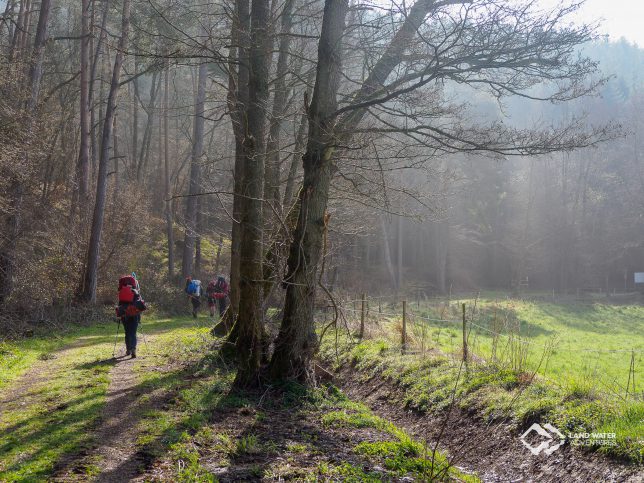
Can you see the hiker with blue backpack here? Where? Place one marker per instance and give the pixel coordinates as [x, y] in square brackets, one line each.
[194, 291]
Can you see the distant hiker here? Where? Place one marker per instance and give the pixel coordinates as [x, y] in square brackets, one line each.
[217, 293]
[194, 291]
[129, 309]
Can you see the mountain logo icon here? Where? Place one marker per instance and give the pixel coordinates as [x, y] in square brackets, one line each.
[553, 439]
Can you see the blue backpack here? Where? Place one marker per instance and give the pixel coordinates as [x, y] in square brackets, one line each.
[194, 288]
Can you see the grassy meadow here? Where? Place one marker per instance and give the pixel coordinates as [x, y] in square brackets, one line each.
[565, 363]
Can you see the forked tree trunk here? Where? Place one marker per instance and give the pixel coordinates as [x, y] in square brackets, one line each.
[297, 341]
[195, 174]
[93, 251]
[249, 322]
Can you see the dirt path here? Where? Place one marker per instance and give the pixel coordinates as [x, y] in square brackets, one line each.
[22, 391]
[117, 455]
[76, 414]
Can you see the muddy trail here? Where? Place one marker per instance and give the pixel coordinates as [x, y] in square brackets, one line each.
[492, 450]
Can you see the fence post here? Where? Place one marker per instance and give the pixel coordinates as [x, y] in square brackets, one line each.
[362, 315]
[404, 326]
[464, 335]
[631, 374]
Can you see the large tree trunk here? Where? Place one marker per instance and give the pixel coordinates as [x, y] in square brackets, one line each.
[93, 250]
[249, 322]
[237, 102]
[195, 173]
[166, 176]
[297, 341]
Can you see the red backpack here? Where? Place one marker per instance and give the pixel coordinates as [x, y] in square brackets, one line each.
[127, 283]
[127, 280]
[126, 295]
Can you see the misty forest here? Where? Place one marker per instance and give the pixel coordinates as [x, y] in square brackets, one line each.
[326, 240]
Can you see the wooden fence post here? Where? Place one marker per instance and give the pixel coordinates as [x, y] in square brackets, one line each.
[631, 375]
[404, 326]
[464, 335]
[362, 315]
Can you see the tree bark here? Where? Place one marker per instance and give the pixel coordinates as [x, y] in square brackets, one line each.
[93, 251]
[297, 341]
[237, 102]
[249, 322]
[195, 173]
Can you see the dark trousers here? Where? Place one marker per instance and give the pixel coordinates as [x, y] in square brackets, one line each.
[196, 303]
[130, 324]
[223, 303]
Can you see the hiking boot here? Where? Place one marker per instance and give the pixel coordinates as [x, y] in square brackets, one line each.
[133, 354]
[128, 352]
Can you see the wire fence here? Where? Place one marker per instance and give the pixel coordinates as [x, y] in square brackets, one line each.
[460, 331]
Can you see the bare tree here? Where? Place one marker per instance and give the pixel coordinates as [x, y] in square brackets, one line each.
[93, 251]
[483, 44]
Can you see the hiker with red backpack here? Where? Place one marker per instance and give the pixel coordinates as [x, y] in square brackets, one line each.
[217, 293]
[129, 309]
[194, 291]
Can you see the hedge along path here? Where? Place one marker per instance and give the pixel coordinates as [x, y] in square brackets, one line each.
[73, 414]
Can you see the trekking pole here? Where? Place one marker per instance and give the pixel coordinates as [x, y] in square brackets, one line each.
[118, 325]
[143, 335]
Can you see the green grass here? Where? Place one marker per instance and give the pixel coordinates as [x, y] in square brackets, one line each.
[16, 357]
[433, 381]
[402, 455]
[56, 414]
[575, 336]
